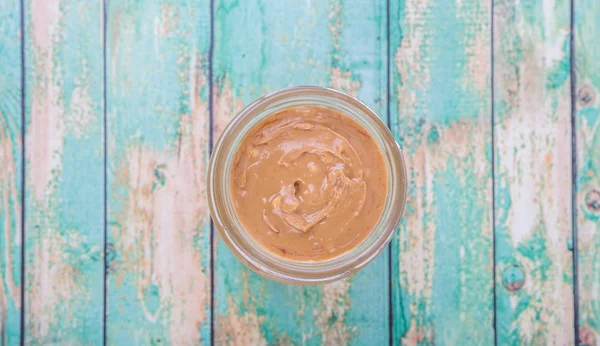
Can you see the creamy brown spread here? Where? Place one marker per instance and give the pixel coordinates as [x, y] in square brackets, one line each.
[308, 183]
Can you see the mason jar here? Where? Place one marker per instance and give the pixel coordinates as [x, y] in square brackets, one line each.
[253, 254]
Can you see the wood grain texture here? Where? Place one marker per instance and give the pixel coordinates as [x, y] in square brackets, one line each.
[587, 132]
[533, 170]
[442, 281]
[64, 233]
[11, 165]
[158, 139]
[158, 253]
[262, 46]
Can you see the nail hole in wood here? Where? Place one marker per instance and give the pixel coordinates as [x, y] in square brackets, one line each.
[586, 337]
[513, 278]
[586, 95]
[592, 201]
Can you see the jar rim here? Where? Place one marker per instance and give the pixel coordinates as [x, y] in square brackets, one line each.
[258, 258]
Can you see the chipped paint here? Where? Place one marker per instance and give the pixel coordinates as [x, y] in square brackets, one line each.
[44, 145]
[410, 57]
[330, 316]
[159, 146]
[80, 117]
[63, 253]
[343, 81]
[444, 129]
[335, 26]
[339, 79]
[168, 20]
[478, 57]
[10, 233]
[463, 143]
[158, 221]
[52, 280]
[44, 140]
[10, 212]
[158, 282]
[532, 163]
[10, 171]
[147, 222]
[477, 47]
[587, 134]
[239, 329]
[227, 105]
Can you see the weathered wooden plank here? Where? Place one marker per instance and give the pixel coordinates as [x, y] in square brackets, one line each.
[64, 235]
[262, 46]
[11, 165]
[158, 140]
[587, 132]
[442, 279]
[532, 147]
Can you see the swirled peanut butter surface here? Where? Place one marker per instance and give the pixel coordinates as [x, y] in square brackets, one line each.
[308, 183]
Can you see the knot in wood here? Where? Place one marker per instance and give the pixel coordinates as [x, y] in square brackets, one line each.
[586, 337]
[513, 278]
[586, 95]
[592, 201]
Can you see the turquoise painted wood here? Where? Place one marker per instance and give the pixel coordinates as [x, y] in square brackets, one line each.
[587, 132]
[11, 165]
[532, 147]
[262, 46]
[64, 198]
[440, 105]
[158, 251]
[484, 254]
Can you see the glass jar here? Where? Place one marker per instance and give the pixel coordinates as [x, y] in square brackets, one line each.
[249, 251]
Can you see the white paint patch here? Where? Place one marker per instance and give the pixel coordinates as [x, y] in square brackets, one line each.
[45, 135]
[343, 81]
[533, 163]
[80, 114]
[226, 105]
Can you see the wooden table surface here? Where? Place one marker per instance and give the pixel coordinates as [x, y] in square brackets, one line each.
[108, 112]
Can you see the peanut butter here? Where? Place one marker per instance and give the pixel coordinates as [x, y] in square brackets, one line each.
[308, 183]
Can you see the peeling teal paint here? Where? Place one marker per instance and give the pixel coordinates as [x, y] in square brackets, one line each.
[530, 262]
[587, 54]
[157, 75]
[559, 74]
[72, 203]
[440, 100]
[10, 154]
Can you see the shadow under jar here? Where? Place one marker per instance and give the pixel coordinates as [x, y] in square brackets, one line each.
[227, 184]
